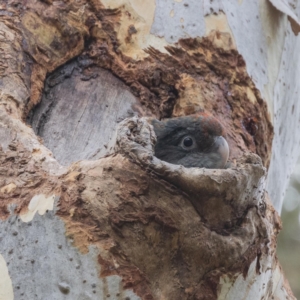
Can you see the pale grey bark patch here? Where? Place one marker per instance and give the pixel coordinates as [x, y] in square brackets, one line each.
[212, 6]
[78, 114]
[245, 23]
[43, 264]
[291, 10]
[286, 143]
[6, 134]
[175, 20]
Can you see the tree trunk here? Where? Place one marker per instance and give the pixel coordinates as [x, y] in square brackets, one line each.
[87, 211]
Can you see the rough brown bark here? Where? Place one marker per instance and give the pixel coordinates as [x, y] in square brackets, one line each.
[167, 231]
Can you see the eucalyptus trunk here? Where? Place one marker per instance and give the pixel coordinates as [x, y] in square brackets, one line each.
[87, 211]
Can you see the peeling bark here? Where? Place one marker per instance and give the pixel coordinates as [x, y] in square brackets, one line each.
[138, 211]
[130, 226]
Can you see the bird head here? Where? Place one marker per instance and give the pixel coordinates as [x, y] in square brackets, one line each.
[192, 141]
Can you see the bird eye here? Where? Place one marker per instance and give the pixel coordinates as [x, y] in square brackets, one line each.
[187, 142]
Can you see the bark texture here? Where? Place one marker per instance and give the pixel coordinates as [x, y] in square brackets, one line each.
[100, 217]
[167, 231]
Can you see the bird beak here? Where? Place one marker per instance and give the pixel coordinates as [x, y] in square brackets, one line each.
[222, 149]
